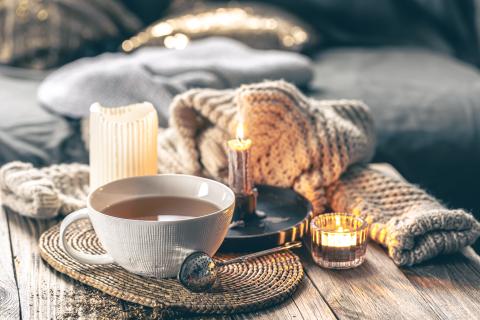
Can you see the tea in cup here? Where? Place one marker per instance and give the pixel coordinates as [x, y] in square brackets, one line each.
[150, 224]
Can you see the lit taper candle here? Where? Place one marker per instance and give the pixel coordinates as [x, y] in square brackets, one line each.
[240, 177]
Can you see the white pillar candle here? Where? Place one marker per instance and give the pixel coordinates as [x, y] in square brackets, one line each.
[123, 142]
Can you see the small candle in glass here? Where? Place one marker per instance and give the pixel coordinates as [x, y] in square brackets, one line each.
[339, 240]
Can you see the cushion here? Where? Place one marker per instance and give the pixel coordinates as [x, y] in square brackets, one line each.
[28, 132]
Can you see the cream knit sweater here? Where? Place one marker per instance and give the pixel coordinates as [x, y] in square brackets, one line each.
[319, 148]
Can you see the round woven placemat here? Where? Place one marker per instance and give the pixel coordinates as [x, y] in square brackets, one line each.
[242, 287]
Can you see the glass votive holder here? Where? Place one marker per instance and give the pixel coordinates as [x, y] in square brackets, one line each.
[338, 240]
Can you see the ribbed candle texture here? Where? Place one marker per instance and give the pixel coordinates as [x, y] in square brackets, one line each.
[123, 142]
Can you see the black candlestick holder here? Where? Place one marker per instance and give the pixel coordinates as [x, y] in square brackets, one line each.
[245, 208]
[268, 217]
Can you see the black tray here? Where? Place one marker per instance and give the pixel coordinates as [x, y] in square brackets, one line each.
[287, 218]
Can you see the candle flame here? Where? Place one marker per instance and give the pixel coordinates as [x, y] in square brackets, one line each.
[339, 236]
[338, 240]
[240, 142]
[240, 132]
[337, 221]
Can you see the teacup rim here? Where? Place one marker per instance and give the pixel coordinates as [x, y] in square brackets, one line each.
[229, 190]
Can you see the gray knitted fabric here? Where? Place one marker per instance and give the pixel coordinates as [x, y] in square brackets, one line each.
[157, 74]
[46, 192]
[319, 148]
[413, 225]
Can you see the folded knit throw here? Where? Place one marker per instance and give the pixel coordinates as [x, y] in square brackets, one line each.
[46, 192]
[319, 148]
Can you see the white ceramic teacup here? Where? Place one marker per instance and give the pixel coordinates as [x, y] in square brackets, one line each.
[153, 248]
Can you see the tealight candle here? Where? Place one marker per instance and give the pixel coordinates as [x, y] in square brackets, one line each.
[339, 241]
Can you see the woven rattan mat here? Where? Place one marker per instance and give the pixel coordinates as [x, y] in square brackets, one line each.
[243, 287]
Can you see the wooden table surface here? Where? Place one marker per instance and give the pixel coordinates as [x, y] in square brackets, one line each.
[447, 287]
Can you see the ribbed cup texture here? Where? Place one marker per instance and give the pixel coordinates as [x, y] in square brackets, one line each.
[339, 241]
[123, 142]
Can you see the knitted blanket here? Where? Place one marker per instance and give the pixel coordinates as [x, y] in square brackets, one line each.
[44, 193]
[319, 148]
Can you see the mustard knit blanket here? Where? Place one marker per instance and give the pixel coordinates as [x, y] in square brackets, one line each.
[319, 148]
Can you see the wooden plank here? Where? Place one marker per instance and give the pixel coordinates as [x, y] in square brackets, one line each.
[9, 303]
[376, 290]
[306, 303]
[284, 311]
[45, 293]
[218, 317]
[451, 284]
[311, 303]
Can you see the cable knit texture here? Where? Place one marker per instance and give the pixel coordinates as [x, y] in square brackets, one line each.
[44, 193]
[409, 222]
[298, 142]
[319, 148]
